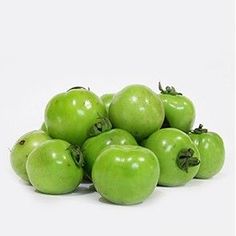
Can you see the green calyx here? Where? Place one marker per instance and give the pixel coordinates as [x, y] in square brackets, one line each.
[185, 159]
[169, 90]
[102, 125]
[77, 155]
[199, 130]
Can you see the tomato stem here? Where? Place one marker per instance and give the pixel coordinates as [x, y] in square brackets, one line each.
[186, 159]
[78, 87]
[169, 90]
[199, 130]
[102, 125]
[77, 155]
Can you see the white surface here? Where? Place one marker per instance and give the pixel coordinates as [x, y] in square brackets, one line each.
[49, 46]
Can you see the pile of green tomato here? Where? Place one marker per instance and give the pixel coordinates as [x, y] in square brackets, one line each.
[126, 144]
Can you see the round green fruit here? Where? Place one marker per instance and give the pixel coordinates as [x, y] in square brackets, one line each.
[107, 99]
[22, 148]
[93, 146]
[179, 110]
[125, 174]
[178, 156]
[212, 152]
[76, 115]
[55, 167]
[137, 109]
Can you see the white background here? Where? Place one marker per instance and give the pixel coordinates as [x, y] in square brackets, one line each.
[49, 46]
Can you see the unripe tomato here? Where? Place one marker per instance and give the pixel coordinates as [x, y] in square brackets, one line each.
[93, 146]
[212, 152]
[22, 148]
[55, 167]
[137, 109]
[179, 110]
[125, 174]
[75, 115]
[107, 99]
[178, 156]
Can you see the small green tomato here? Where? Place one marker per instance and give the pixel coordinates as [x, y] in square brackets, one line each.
[178, 156]
[93, 146]
[125, 174]
[107, 99]
[76, 115]
[55, 167]
[179, 110]
[137, 109]
[212, 152]
[22, 148]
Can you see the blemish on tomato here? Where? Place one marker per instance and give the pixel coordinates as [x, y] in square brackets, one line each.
[22, 142]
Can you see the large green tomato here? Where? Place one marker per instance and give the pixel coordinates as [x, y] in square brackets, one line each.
[107, 99]
[93, 146]
[178, 156]
[125, 174]
[55, 167]
[137, 109]
[212, 152]
[22, 148]
[179, 110]
[75, 115]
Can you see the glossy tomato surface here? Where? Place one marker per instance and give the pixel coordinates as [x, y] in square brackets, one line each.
[72, 115]
[107, 99]
[137, 109]
[55, 167]
[178, 156]
[125, 174]
[179, 110]
[22, 148]
[93, 146]
[212, 152]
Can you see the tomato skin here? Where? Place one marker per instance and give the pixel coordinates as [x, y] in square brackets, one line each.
[179, 111]
[52, 169]
[212, 152]
[107, 99]
[137, 109]
[22, 148]
[167, 144]
[93, 146]
[71, 115]
[125, 174]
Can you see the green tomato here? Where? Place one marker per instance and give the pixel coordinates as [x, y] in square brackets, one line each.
[93, 146]
[179, 110]
[178, 156]
[212, 152]
[43, 127]
[125, 174]
[55, 167]
[137, 109]
[22, 148]
[107, 99]
[76, 115]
